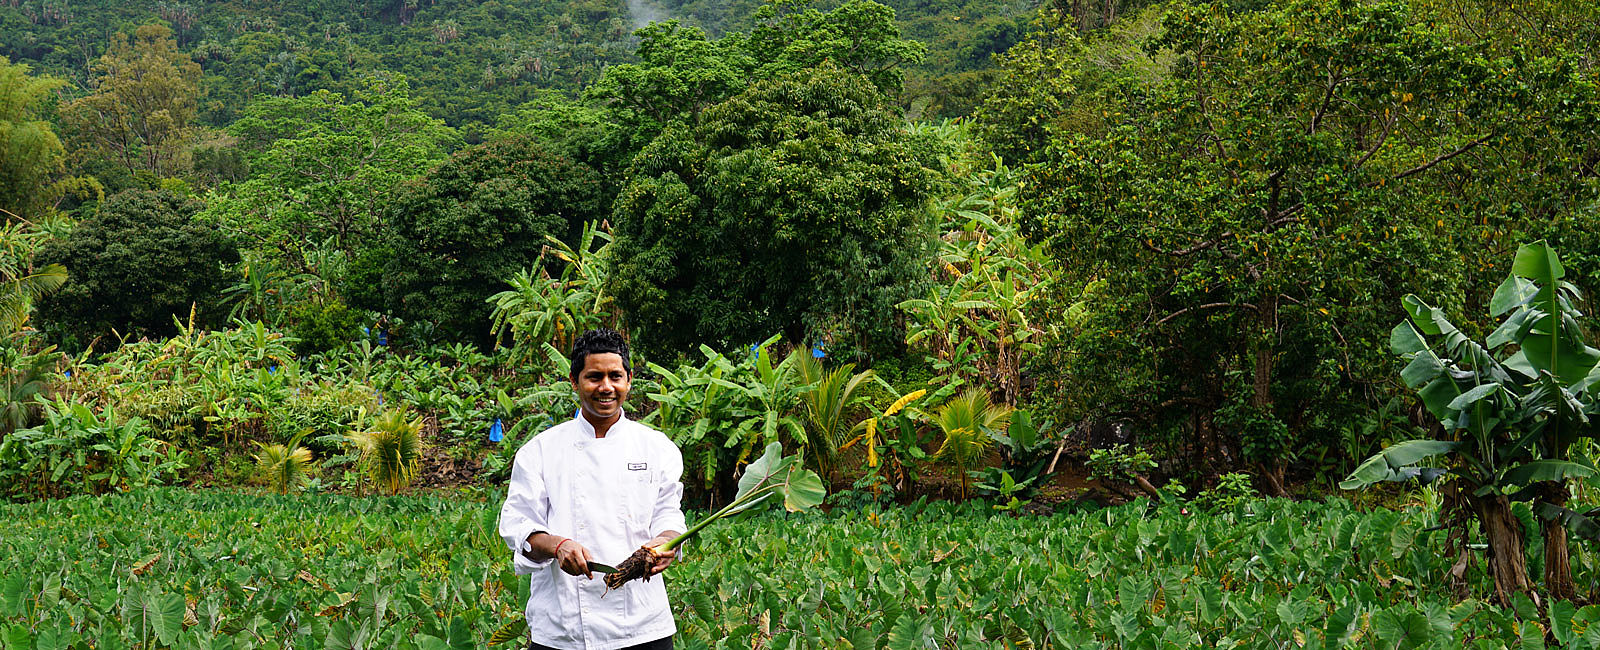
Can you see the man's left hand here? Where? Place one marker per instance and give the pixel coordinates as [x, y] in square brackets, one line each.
[660, 560]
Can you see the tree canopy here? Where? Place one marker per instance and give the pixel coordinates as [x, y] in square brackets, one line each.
[794, 207]
[140, 260]
[458, 233]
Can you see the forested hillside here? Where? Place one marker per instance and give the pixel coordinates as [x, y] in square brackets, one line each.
[468, 62]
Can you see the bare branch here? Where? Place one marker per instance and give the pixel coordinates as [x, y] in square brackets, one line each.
[1443, 157]
[1209, 305]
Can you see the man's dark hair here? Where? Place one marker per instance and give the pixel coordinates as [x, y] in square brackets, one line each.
[599, 341]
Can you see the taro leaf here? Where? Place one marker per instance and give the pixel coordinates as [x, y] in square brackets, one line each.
[17, 636]
[514, 629]
[804, 490]
[1547, 470]
[1390, 464]
[339, 634]
[1402, 630]
[799, 488]
[1561, 613]
[910, 634]
[863, 639]
[1532, 636]
[157, 612]
[430, 642]
[1524, 607]
[701, 603]
[1292, 611]
[52, 639]
[763, 471]
[12, 602]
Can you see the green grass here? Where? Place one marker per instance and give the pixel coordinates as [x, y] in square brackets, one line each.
[169, 567]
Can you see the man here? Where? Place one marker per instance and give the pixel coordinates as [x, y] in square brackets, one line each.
[594, 489]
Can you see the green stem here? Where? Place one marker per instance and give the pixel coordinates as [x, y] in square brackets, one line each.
[695, 529]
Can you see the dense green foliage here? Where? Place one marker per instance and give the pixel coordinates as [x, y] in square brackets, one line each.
[459, 232]
[1255, 217]
[428, 572]
[323, 167]
[31, 154]
[140, 261]
[794, 207]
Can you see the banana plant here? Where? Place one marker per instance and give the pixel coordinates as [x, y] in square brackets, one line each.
[1510, 410]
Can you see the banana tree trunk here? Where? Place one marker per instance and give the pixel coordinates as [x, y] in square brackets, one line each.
[1557, 560]
[1508, 559]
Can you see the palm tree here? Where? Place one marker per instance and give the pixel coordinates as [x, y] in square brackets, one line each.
[284, 465]
[391, 452]
[968, 423]
[829, 398]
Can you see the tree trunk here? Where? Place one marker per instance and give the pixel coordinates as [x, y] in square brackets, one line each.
[1508, 559]
[1261, 394]
[1274, 474]
[1557, 561]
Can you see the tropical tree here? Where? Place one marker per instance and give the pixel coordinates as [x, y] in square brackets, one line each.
[140, 260]
[1510, 409]
[144, 100]
[721, 411]
[324, 166]
[806, 186]
[32, 158]
[284, 465]
[986, 279]
[477, 219]
[540, 309]
[830, 398]
[1248, 209]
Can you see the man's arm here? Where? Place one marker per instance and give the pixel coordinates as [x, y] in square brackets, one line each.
[572, 556]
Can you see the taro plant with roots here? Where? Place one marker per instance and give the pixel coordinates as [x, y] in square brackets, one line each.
[771, 479]
[1510, 411]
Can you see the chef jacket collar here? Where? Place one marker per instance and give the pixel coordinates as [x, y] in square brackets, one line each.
[587, 428]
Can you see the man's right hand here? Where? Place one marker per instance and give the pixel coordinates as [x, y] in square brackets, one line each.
[574, 559]
[571, 556]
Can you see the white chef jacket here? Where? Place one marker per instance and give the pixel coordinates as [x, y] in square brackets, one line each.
[612, 495]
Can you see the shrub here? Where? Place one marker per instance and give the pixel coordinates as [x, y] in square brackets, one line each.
[326, 325]
[391, 451]
[136, 263]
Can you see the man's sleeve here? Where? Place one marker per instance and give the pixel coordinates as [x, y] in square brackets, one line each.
[526, 510]
[668, 513]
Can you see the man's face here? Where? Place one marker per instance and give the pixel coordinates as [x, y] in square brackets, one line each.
[603, 385]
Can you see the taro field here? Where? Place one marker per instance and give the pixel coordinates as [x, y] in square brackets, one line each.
[169, 568]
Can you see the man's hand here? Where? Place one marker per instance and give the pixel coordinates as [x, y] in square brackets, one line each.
[660, 560]
[571, 556]
[574, 559]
